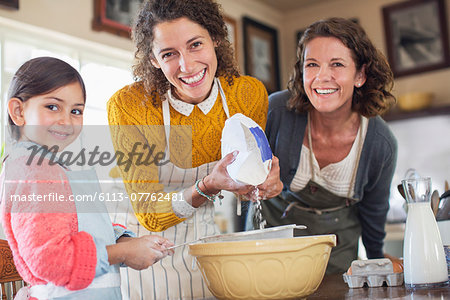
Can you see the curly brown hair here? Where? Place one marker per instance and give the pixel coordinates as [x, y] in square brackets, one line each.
[206, 13]
[371, 99]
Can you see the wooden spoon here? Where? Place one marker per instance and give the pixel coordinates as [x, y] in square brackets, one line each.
[435, 202]
[446, 186]
[401, 191]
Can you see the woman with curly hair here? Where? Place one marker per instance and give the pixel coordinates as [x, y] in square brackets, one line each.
[186, 77]
[337, 156]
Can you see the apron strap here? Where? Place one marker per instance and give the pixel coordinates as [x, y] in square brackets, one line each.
[166, 120]
[224, 99]
[311, 154]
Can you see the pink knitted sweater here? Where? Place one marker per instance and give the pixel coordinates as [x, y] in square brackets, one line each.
[43, 235]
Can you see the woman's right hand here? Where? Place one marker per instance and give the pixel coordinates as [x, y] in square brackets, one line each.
[219, 179]
[139, 253]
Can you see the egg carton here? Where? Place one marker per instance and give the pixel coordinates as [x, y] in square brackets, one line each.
[373, 272]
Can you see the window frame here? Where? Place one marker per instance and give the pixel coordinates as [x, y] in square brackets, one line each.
[78, 49]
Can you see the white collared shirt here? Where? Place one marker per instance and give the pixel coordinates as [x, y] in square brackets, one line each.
[186, 108]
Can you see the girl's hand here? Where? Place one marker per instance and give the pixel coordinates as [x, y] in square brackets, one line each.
[161, 244]
[139, 253]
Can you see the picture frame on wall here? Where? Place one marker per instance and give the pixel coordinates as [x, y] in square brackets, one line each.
[232, 34]
[10, 4]
[416, 36]
[261, 53]
[115, 16]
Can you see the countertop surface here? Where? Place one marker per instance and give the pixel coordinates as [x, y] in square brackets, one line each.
[334, 287]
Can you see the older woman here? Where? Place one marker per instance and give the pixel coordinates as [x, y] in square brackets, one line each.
[187, 78]
[337, 156]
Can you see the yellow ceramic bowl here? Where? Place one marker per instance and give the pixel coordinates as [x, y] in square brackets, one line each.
[288, 268]
[415, 101]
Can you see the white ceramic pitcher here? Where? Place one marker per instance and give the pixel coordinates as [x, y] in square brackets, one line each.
[425, 265]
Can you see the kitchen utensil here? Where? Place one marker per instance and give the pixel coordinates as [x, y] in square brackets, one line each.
[401, 191]
[285, 231]
[444, 210]
[446, 186]
[435, 202]
[423, 253]
[291, 268]
[182, 244]
[409, 191]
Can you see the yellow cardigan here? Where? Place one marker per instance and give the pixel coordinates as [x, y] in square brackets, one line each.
[132, 106]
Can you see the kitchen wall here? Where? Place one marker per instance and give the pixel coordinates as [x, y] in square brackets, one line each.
[66, 16]
[423, 145]
[75, 17]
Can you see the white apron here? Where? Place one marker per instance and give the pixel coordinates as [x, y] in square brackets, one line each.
[92, 218]
[175, 277]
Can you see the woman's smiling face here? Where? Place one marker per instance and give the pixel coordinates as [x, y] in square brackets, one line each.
[330, 75]
[185, 53]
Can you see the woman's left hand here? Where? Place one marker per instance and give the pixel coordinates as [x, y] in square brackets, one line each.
[272, 186]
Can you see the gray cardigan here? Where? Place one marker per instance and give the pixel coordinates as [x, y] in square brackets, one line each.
[285, 131]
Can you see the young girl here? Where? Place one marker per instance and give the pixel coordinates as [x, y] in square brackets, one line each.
[61, 251]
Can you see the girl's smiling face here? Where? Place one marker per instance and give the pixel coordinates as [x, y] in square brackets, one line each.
[185, 53]
[330, 75]
[55, 118]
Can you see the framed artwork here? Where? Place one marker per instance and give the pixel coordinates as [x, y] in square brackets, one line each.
[115, 16]
[232, 34]
[261, 53]
[13, 4]
[416, 36]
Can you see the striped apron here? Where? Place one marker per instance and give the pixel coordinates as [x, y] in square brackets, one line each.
[175, 277]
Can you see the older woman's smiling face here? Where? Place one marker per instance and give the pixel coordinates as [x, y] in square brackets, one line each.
[185, 53]
[330, 75]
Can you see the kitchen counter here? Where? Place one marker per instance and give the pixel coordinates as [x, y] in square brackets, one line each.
[334, 287]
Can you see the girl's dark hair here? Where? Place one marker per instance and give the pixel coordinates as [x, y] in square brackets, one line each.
[40, 76]
[371, 99]
[206, 13]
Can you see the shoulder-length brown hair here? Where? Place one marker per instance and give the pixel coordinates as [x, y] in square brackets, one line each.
[371, 99]
[206, 13]
[39, 76]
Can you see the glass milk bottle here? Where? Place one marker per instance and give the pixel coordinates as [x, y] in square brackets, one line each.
[423, 254]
